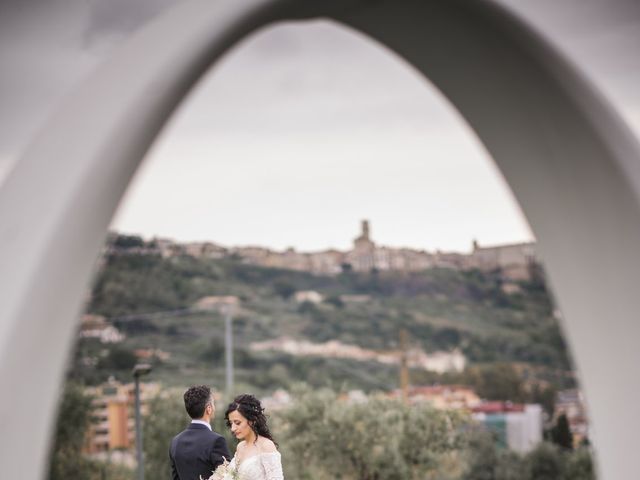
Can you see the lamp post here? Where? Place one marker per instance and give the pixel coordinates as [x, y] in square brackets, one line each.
[138, 371]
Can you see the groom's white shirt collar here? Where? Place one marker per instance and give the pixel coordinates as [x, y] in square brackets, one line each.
[202, 422]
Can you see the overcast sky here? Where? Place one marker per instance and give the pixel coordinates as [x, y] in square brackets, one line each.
[304, 129]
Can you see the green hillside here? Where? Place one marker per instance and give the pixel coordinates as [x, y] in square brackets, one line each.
[441, 309]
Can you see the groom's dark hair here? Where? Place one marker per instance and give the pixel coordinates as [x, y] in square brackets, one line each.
[196, 400]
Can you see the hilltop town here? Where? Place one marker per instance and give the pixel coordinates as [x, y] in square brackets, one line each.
[513, 261]
[473, 332]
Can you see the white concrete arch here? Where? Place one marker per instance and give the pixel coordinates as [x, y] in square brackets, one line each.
[571, 163]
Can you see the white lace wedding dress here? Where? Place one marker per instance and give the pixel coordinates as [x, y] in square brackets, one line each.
[264, 466]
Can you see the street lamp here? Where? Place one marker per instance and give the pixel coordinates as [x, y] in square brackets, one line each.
[138, 371]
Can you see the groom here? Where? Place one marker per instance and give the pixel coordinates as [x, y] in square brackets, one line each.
[197, 450]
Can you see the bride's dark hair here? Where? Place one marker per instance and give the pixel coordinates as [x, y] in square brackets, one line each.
[251, 409]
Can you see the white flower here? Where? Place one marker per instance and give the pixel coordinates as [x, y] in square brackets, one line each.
[223, 472]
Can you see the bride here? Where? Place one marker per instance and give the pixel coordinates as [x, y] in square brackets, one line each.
[256, 456]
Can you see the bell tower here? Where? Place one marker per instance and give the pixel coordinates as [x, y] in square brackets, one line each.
[365, 230]
[362, 257]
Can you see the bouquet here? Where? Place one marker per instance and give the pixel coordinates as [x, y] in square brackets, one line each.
[223, 472]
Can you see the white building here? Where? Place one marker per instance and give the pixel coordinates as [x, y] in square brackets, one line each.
[308, 296]
[96, 326]
[440, 362]
[518, 427]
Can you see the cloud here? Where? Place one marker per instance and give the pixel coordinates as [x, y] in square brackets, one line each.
[258, 89]
[297, 95]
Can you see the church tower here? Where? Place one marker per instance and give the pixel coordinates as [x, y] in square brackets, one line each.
[364, 235]
[362, 256]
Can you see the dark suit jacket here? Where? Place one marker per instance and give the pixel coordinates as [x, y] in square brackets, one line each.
[196, 451]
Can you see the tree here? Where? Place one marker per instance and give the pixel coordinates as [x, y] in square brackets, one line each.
[498, 382]
[215, 351]
[167, 417]
[580, 465]
[510, 466]
[307, 307]
[380, 439]
[545, 462]
[128, 241]
[561, 433]
[335, 300]
[284, 288]
[346, 267]
[73, 420]
[482, 457]
[447, 337]
[545, 396]
[118, 358]
[485, 461]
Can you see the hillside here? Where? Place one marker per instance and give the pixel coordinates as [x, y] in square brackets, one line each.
[441, 309]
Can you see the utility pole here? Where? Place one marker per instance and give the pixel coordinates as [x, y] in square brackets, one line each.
[222, 306]
[228, 349]
[404, 369]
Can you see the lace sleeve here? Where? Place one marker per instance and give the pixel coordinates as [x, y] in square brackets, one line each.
[272, 466]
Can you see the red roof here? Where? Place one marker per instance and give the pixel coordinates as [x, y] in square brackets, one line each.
[498, 407]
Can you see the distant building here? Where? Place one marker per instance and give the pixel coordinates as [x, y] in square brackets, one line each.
[293, 260]
[514, 261]
[96, 326]
[328, 262]
[362, 258]
[253, 255]
[310, 296]
[443, 397]
[403, 259]
[112, 411]
[215, 302]
[366, 256]
[452, 260]
[151, 353]
[516, 426]
[511, 288]
[362, 298]
[438, 361]
[167, 247]
[204, 250]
